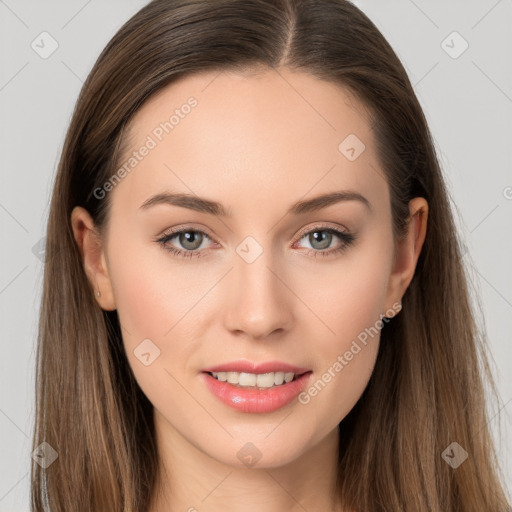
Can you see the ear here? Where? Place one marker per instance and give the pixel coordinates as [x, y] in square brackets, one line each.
[93, 257]
[407, 251]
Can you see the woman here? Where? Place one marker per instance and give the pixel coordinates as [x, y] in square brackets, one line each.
[253, 295]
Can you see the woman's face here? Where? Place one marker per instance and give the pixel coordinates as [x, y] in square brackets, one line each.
[260, 279]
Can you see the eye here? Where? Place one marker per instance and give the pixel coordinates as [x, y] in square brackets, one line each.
[321, 238]
[190, 239]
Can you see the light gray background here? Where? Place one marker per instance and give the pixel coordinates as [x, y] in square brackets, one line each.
[467, 101]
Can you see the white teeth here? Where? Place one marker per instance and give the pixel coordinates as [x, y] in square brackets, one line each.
[278, 378]
[261, 380]
[247, 379]
[232, 377]
[265, 380]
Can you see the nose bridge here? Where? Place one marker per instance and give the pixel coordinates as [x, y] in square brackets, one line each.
[259, 303]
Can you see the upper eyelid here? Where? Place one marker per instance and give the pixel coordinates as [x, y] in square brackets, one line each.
[171, 233]
[323, 227]
[318, 226]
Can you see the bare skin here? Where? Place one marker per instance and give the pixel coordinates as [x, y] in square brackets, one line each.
[256, 145]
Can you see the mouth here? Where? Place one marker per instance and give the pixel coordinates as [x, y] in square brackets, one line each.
[252, 392]
[259, 381]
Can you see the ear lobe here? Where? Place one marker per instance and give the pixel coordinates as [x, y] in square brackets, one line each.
[93, 257]
[408, 250]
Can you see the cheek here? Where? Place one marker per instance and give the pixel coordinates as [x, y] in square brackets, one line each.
[143, 297]
[344, 298]
[162, 301]
[349, 299]
[153, 292]
[155, 308]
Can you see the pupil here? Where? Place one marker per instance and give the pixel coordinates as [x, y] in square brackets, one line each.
[187, 237]
[326, 239]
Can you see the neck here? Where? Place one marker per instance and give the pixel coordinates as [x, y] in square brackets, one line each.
[190, 480]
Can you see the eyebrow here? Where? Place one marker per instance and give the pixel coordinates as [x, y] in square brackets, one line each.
[204, 205]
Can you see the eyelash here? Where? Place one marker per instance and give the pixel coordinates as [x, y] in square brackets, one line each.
[347, 240]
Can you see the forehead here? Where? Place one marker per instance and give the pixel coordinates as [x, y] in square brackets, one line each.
[251, 136]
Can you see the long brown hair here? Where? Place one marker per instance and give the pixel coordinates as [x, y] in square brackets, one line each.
[427, 388]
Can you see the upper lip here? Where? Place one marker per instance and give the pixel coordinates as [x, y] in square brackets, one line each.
[250, 367]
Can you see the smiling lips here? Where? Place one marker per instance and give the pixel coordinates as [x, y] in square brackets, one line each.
[256, 388]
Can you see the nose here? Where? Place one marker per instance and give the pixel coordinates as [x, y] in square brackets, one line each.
[260, 302]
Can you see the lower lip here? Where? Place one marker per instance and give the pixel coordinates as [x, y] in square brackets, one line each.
[254, 400]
